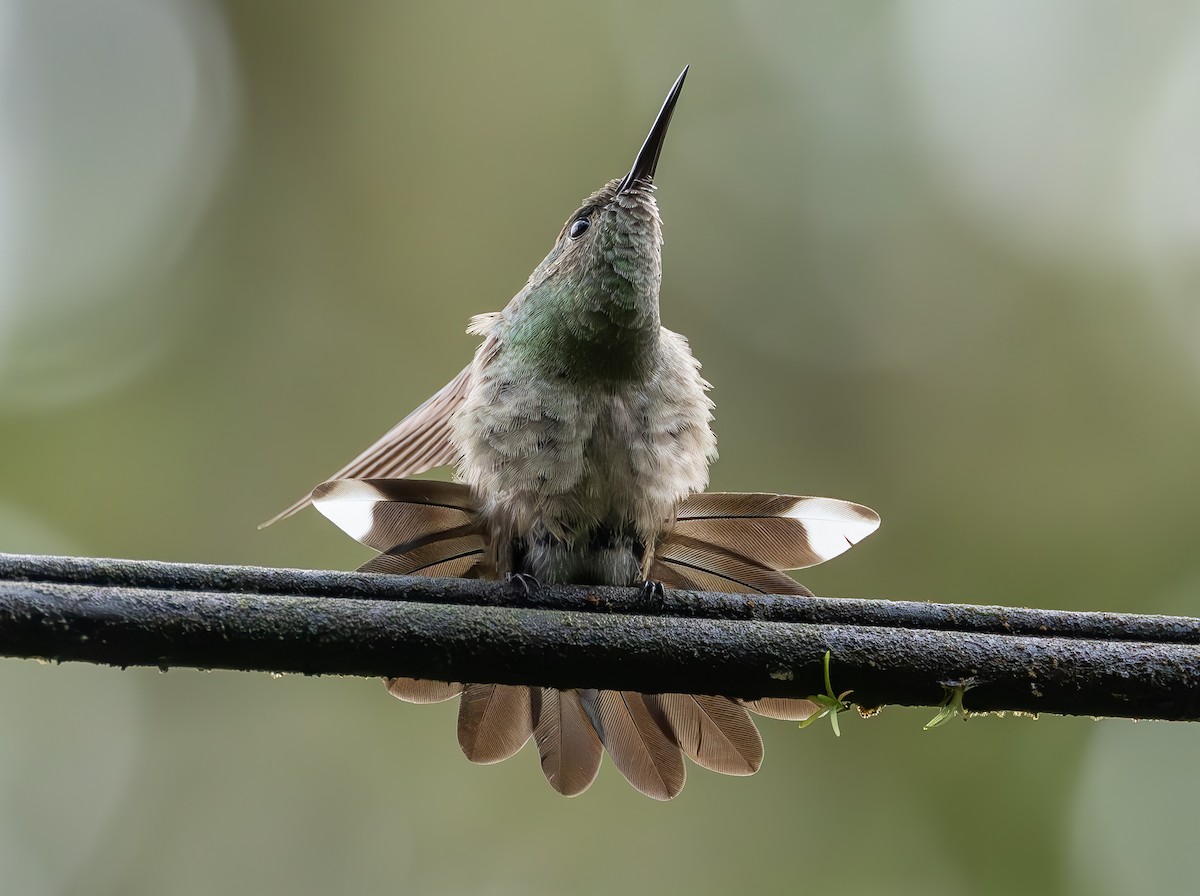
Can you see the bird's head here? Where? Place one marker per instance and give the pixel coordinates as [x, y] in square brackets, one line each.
[596, 293]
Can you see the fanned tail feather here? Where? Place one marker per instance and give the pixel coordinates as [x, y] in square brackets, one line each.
[738, 542]
[741, 542]
[420, 527]
[773, 531]
[457, 558]
[716, 733]
[726, 542]
[640, 741]
[494, 721]
[683, 562]
[787, 709]
[416, 690]
[567, 742]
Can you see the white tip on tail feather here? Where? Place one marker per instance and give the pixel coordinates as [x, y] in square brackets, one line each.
[349, 504]
[833, 526]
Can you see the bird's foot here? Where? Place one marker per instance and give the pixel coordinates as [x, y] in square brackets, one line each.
[523, 582]
[653, 592]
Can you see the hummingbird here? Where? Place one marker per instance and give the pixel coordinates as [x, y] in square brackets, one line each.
[581, 437]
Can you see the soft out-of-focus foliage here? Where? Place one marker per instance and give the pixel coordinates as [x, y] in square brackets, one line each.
[937, 257]
[116, 118]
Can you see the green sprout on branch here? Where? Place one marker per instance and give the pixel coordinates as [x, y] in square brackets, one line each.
[952, 705]
[829, 704]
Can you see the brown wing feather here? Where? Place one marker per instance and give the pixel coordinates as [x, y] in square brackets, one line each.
[419, 442]
[569, 748]
[715, 732]
[494, 721]
[640, 742]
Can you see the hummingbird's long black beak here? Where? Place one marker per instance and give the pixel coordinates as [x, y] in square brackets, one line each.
[647, 157]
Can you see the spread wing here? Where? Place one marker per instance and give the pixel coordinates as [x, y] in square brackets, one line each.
[419, 442]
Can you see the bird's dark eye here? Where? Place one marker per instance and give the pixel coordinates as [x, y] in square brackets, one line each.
[578, 228]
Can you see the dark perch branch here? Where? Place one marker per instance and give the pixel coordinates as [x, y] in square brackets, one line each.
[134, 613]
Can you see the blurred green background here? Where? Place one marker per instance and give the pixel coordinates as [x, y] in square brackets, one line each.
[936, 257]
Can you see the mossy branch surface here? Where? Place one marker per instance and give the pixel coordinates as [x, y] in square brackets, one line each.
[143, 613]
